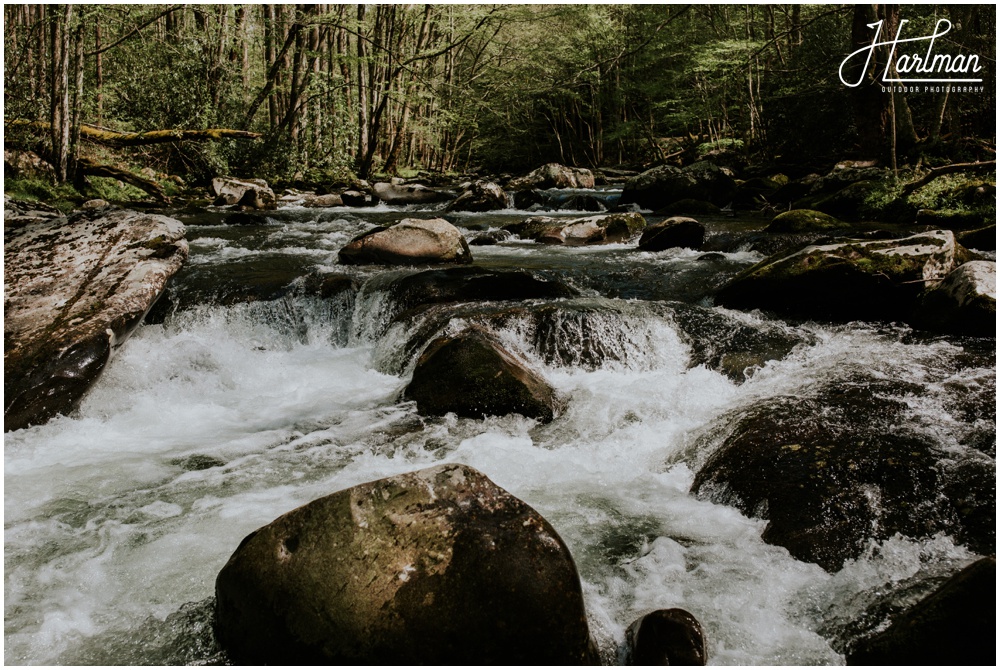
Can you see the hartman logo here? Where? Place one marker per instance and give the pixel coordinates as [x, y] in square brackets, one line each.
[910, 66]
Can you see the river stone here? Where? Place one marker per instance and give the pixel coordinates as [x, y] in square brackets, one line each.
[661, 186]
[325, 200]
[254, 193]
[853, 279]
[598, 229]
[73, 292]
[965, 302]
[409, 242]
[955, 625]
[583, 203]
[479, 196]
[473, 376]
[803, 221]
[688, 207]
[982, 239]
[666, 637]
[437, 567]
[675, 232]
[834, 470]
[554, 175]
[414, 194]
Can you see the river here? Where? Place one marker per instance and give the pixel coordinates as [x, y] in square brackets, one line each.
[220, 418]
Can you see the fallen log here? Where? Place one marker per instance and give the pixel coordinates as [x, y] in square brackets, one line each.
[85, 166]
[983, 166]
[114, 138]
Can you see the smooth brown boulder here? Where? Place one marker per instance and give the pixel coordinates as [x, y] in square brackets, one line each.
[675, 232]
[409, 242]
[439, 566]
[479, 196]
[73, 292]
[666, 637]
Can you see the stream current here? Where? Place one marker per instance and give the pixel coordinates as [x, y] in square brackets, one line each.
[221, 417]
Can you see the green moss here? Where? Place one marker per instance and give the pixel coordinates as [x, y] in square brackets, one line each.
[33, 189]
[803, 220]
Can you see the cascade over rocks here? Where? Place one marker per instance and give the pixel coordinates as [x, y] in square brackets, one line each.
[955, 625]
[666, 637]
[598, 229]
[677, 231]
[853, 279]
[479, 196]
[252, 193]
[664, 185]
[438, 566]
[471, 375]
[554, 175]
[832, 471]
[409, 242]
[74, 291]
[965, 302]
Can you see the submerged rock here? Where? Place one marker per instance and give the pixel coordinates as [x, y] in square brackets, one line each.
[473, 283]
[479, 196]
[409, 242]
[955, 625]
[74, 291]
[439, 566]
[473, 376]
[675, 232]
[835, 470]
[853, 279]
[664, 185]
[253, 193]
[965, 302]
[666, 637]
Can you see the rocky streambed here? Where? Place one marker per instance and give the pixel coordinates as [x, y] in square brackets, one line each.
[794, 479]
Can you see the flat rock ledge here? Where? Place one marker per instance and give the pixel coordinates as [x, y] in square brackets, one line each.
[74, 289]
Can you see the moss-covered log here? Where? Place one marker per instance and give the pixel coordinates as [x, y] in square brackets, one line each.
[114, 138]
[984, 166]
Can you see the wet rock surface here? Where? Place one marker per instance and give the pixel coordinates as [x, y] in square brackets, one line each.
[438, 566]
[472, 375]
[554, 175]
[479, 196]
[664, 185]
[955, 625]
[964, 302]
[832, 471]
[409, 242]
[852, 279]
[74, 291]
[677, 231]
[666, 637]
[251, 193]
[599, 229]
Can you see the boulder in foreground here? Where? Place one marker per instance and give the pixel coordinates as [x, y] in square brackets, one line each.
[666, 637]
[473, 376]
[955, 625]
[74, 291]
[965, 302]
[409, 242]
[252, 193]
[439, 566]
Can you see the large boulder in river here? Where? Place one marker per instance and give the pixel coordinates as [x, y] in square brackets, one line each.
[479, 196]
[598, 229]
[852, 279]
[435, 567]
[471, 375]
[554, 175]
[252, 193]
[675, 232]
[955, 625]
[408, 194]
[409, 242]
[661, 186]
[965, 302]
[73, 292]
[835, 469]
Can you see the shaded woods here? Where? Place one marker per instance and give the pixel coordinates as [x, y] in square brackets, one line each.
[341, 90]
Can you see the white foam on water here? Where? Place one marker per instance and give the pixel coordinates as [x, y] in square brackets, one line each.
[213, 424]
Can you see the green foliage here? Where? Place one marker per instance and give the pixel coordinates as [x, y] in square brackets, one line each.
[35, 189]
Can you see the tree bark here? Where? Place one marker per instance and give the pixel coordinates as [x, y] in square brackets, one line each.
[115, 139]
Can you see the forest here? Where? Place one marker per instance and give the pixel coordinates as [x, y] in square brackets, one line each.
[332, 92]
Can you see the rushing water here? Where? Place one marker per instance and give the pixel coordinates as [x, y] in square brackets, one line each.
[222, 417]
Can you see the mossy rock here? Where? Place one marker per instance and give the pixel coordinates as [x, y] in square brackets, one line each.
[953, 220]
[434, 567]
[983, 239]
[804, 221]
